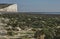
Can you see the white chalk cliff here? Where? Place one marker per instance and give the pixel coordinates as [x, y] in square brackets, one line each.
[10, 8]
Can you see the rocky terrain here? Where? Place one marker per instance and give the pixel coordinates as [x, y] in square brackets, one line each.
[24, 26]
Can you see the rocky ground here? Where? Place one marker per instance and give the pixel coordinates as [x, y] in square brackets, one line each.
[24, 26]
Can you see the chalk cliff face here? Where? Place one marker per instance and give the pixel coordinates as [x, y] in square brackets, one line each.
[11, 8]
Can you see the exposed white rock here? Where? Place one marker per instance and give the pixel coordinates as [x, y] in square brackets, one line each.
[10, 8]
[18, 28]
[58, 27]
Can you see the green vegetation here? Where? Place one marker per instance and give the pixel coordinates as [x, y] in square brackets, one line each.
[48, 25]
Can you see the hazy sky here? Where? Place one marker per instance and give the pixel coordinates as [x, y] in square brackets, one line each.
[36, 5]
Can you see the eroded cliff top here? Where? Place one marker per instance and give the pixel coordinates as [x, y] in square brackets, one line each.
[4, 5]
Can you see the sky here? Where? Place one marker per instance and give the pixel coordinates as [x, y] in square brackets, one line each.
[36, 5]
